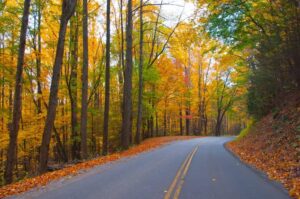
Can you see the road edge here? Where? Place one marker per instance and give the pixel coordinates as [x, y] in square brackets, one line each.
[37, 182]
[278, 185]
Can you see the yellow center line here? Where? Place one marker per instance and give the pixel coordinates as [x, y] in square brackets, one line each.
[179, 187]
[180, 174]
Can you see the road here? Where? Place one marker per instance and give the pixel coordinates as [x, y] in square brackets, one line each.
[191, 169]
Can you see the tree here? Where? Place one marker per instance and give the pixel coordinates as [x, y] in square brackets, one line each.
[269, 30]
[224, 100]
[84, 79]
[107, 82]
[14, 126]
[140, 95]
[68, 9]
[127, 97]
[72, 85]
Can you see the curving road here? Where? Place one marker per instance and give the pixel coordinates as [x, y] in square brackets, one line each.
[194, 169]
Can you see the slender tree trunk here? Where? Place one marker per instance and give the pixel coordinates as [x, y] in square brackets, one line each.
[38, 60]
[218, 124]
[140, 95]
[121, 70]
[187, 120]
[127, 98]
[73, 87]
[180, 121]
[14, 126]
[205, 124]
[165, 122]
[84, 78]
[60, 147]
[156, 124]
[2, 87]
[68, 9]
[107, 82]
[122, 37]
[200, 121]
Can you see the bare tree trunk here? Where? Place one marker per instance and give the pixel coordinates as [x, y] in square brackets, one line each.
[14, 126]
[127, 98]
[200, 109]
[156, 124]
[38, 60]
[73, 87]
[121, 70]
[165, 122]
[218, 125]
[84, 78]
[187, 120]
[122, 37]
[60, 148]
[140, 95]
[107, 82]
[2, 87]
[180, 121]
[68, 9]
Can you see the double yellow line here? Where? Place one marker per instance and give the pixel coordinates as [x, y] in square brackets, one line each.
[176, 185]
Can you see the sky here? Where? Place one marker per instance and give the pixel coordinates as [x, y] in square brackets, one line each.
[177, 7]
[171, 11]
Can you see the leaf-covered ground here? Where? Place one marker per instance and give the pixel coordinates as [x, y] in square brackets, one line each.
[44, 179]
[273, 145]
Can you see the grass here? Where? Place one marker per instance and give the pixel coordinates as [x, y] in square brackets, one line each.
[246, 130]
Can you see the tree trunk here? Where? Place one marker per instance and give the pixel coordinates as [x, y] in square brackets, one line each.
[73, 87]
[140, 95]
[165, 122]
[68, 9]
[187, 120]
[200, 109]
[121, 70]
[107, 82]
[14, 126]
[180, 121]
[218, 124]
[84, 78]
[156, 124]
[38, 60]
[127, 98]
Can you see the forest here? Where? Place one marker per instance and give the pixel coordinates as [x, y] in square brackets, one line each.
[84, 79]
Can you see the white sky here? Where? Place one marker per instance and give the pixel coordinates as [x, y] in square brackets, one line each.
[171, 9]
[176, 7]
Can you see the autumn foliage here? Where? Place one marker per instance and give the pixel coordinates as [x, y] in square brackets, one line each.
[273, 145]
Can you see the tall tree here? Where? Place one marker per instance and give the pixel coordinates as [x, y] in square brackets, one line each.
[68, 9]
[72, 85]
[84, 78]
[225, 99]
[107, 81]
[37, 46]
[14, 126]
[127, 98]
[140, 95]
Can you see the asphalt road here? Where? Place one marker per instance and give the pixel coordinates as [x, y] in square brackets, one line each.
[194, 169]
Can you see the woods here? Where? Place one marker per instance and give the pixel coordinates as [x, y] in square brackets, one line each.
[82, 79]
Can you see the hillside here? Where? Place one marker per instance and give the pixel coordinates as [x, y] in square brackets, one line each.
[273, 144]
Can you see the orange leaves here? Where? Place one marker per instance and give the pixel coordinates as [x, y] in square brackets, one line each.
[272, 146]
[70, 170]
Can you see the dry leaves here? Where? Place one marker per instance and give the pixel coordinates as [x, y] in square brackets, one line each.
[273, 146]
[44, 179]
